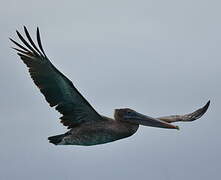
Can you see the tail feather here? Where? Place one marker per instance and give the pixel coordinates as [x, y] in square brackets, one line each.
[56, 139]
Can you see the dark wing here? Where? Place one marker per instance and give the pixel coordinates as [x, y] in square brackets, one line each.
[187, 117]
[58, 90]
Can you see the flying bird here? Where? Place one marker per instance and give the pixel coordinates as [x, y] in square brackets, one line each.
[85, 125]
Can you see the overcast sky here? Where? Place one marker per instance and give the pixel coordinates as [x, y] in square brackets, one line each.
[155, 56]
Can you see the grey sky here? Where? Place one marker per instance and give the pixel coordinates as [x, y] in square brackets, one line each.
[157, 57]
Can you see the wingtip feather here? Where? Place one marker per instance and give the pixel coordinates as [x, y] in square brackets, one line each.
[206, 106]
[39, 41]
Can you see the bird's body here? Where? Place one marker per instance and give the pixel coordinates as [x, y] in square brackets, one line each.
[87, 127]
[91, 133]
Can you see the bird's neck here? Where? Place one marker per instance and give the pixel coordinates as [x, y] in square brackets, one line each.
[122, 128]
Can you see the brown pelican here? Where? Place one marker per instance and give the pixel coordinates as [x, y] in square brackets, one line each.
[87, 127]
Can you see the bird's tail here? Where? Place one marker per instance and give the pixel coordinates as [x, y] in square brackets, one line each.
[56, 139]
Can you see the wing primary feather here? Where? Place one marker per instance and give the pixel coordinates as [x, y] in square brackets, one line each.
[26, 43]
[39, 41]
[31, 41]
[21, 51]
[24, 56]
[19, 45]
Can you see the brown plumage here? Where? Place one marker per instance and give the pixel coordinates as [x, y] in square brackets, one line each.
[87, 127]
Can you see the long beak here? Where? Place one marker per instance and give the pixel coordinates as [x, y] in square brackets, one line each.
[141, 119]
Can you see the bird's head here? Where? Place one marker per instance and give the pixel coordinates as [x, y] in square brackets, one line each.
[131, 116]
[121, 114]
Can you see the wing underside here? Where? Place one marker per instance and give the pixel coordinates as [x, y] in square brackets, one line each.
[186, 117]
[57, 89]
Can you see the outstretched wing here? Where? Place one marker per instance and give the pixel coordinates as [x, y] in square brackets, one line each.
[187, 117]
[58, 90]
